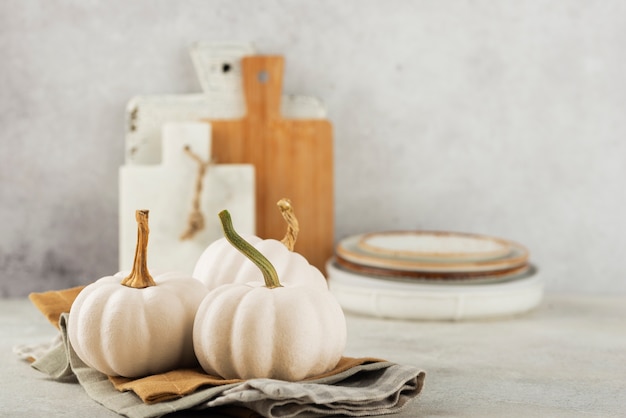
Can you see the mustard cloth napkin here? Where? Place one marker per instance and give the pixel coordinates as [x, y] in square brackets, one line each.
[356, 386]
[55, 302]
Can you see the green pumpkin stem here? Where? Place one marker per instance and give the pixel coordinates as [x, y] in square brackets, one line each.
[139, 276]
[269, 272]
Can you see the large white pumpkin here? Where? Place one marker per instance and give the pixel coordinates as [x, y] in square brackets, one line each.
[138, 328]
[250, 331]
[268, 329]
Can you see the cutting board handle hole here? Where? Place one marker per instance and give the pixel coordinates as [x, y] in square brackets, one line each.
[263, 76]
[226, 67]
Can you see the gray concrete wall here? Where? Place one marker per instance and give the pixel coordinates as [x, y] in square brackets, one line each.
[504, 118]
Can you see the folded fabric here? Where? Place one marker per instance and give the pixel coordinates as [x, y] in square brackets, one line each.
[55, 302]
[167, 386]
[181, 382]
[374, 389]
[356, 387]
[32, 352]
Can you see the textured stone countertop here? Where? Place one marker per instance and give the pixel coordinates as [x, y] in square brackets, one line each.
[567, 358]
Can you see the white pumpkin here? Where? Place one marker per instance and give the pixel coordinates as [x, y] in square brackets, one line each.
[268, 329]
[221, 263]
[136, 326]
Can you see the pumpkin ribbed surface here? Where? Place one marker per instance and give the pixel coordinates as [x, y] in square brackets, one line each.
[251, 331]
[123, 331]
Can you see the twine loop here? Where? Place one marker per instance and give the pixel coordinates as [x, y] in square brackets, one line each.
[195, 221]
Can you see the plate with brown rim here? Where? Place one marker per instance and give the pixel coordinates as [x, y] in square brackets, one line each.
[436, 252]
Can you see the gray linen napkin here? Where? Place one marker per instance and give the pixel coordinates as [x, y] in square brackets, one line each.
[369, 389]
[373, 389]
[32, 352]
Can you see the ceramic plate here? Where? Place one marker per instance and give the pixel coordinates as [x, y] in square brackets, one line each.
[434, 245]
[350, 249]
[425, 301]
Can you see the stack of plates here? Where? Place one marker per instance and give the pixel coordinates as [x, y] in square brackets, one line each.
[433, 275]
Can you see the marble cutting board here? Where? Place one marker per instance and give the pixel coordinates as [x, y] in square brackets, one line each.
[167, 190]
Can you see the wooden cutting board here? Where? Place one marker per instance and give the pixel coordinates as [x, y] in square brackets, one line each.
[293, 158]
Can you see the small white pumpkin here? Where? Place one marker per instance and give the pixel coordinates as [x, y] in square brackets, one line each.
[136, 326]
[279, 331]
[221, 263]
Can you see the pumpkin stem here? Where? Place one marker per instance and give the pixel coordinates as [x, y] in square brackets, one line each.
[139, 276]
[286, 209]
[269, 272]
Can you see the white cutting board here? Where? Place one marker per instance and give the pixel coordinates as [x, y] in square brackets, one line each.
[167, 190]
[218, 66]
